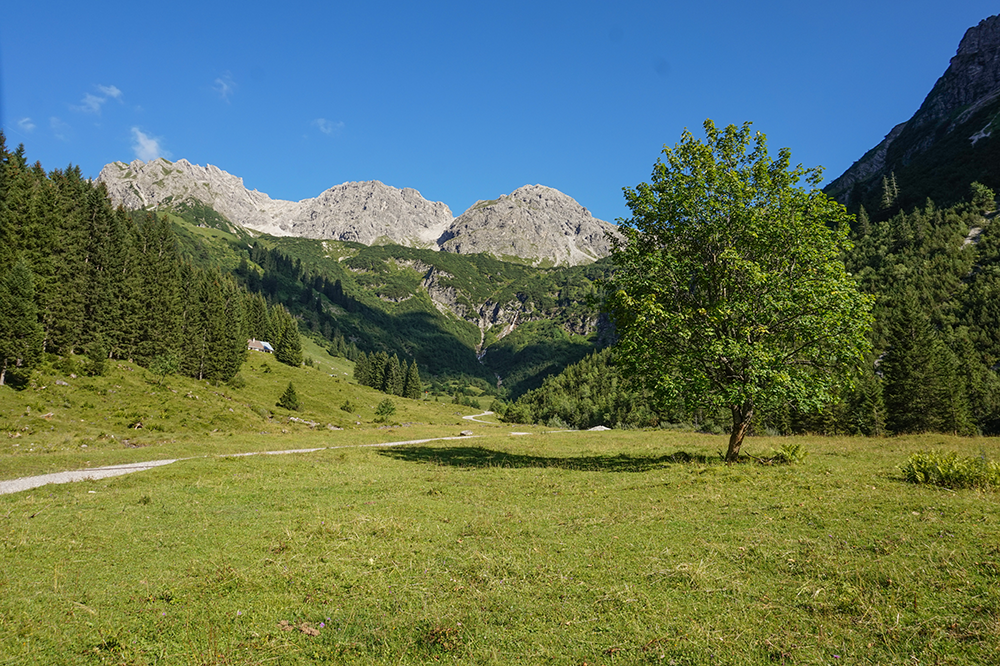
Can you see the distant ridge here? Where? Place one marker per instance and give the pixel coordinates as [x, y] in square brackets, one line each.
[534, 224]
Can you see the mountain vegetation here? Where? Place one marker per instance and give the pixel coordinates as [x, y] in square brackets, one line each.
[81, 278]
[180, 288]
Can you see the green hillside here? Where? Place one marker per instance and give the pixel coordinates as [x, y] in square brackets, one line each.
[504, 324]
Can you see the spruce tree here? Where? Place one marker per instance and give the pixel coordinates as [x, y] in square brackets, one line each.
[21, 335]
[361, 368]
[391, 377]
[288, 348]
[289, 399]
[910, 368]
[412, 387]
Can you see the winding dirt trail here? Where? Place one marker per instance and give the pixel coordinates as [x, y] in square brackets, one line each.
[29, 482]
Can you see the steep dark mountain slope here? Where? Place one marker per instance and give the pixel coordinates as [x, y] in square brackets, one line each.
[950, 142]
[507, 324]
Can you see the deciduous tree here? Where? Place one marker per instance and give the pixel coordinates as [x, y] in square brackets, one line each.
[730, 289]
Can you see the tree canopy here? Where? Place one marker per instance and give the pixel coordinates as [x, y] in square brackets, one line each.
[730, 287]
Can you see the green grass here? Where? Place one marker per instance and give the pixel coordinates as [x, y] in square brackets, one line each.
[597, 548]
[64, 422]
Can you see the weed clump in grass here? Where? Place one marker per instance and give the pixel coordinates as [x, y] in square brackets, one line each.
[789, 454]
[950, 471]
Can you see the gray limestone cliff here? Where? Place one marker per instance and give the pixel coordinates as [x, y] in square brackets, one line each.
[367, 212]
[533, 222]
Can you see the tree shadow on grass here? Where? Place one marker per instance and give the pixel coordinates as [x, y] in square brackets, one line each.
[478, 457]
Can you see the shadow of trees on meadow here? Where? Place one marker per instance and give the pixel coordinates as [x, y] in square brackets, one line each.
[479, 457]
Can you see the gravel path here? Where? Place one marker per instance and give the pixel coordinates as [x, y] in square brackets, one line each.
[29, 482]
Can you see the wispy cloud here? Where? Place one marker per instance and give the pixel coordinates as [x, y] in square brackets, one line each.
[225, 86]
[92, 103]
[110, 91]
[58, 127]
[328, 127]
[26, 124]
[147, 147]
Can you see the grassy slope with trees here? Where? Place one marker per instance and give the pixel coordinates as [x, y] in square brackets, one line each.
[936, 275]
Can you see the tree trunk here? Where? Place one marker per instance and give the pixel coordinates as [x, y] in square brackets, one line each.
[741, 423]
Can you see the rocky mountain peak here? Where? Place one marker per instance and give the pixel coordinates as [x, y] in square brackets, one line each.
[365, 212]
[958, 110]
[533, 222]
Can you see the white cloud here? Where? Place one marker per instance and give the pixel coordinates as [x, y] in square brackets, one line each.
[328, 127]
[26, 124]
[110, 91]
[58, 127]
[225, 86]
[92, 103]
[146, 147]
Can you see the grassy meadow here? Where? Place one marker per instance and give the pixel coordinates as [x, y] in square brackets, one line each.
[617, 547]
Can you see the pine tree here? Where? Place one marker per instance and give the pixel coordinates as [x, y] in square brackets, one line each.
[392, 377]
[376, 370]
[412, 388]
[910, 366]
[21, 336]
[155, 313]
[867, 408]
[361, 368]
[288, 347]
[289, 399]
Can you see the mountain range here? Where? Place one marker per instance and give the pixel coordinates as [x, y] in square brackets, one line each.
[534, 224]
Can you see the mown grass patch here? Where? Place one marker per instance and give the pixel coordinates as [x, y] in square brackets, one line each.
[568, 548]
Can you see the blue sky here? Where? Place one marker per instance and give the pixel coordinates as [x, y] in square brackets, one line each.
[461, 100]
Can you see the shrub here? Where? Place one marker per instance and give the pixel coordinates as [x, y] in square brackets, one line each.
[385, 409]
[789, 453]
[164, 364]
[950, 471]
[289, 400]
[348, 407]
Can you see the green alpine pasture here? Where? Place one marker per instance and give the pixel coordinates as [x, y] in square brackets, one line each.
[614, 547]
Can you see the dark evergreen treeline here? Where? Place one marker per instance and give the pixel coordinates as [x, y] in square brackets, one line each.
[590, 393]
[936, 340]
[79, 277]
[385, 373]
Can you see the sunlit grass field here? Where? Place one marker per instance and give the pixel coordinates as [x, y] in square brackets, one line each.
[564, 548]
[544, 548]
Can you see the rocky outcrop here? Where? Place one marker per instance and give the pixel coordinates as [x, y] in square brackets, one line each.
[533, 222]
[969, 87]
[366, 212]
[536, 224]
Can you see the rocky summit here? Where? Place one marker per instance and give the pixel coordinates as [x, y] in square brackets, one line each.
[533, 224]
[367, 212]
[950, 141]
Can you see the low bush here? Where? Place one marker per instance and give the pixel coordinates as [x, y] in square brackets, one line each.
[951, 471]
